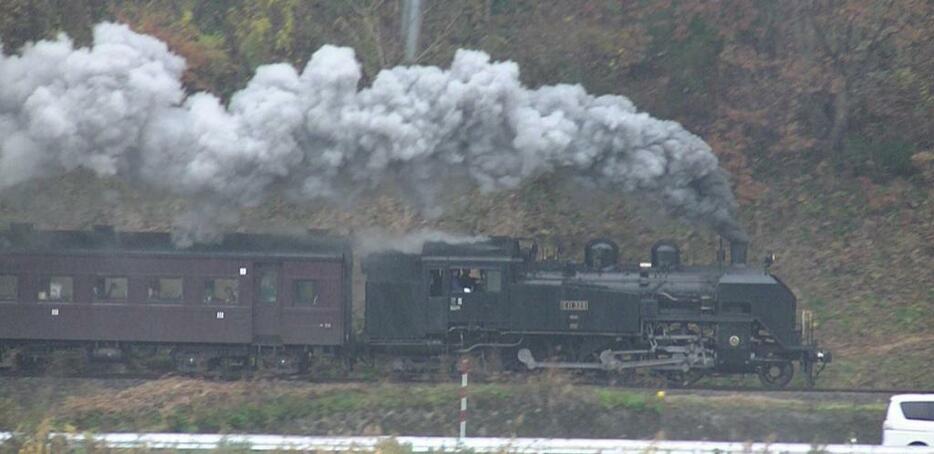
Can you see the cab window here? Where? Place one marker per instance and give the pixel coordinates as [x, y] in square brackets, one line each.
[494, 280]
[475, 280]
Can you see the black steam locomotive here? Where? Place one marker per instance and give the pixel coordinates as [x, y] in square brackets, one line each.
[495, 299]
[283, 303]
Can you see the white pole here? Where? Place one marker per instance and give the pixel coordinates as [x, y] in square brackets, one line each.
[465, 370]
[411, 27]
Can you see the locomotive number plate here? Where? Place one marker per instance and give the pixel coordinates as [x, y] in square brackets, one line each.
[575, 305]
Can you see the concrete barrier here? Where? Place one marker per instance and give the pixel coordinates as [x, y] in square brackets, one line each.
[477, 445]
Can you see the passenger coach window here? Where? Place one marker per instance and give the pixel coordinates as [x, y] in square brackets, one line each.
[57, 288]
[306, 293]
[476, 280]
[221, 291]
[110, 288]
[8, 288]
[435, 284]
[164, 290]
[920, 411]
[269, 287]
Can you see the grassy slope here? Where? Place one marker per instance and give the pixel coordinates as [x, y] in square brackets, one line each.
[547, 406]
[859, 255]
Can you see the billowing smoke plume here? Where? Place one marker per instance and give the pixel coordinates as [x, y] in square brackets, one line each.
[119, 108]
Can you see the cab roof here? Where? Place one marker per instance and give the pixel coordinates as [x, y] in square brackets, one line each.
[493, 247]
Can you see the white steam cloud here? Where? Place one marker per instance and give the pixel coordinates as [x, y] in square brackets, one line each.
[119, 108]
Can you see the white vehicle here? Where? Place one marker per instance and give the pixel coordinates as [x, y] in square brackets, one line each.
[909, 421]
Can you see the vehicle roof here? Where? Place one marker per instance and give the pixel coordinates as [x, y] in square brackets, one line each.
[105, 240]
[899, 398]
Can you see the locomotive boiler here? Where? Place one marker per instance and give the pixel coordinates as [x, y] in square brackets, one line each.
[497, 300]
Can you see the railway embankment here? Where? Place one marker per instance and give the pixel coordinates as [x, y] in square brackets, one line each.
[543, 407]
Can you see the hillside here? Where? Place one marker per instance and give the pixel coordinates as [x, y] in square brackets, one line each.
[822, 112]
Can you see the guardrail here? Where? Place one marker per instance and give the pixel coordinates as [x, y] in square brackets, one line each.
[476, 444]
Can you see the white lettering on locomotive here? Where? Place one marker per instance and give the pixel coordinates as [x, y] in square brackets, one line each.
[575, 305]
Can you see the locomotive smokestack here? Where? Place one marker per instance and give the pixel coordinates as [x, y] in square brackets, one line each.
[738, 252]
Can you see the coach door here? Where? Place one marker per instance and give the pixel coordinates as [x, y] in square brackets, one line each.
[438, 297]
[266, 303]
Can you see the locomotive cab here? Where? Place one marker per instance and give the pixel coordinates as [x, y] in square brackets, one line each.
[470, 293]
[447, 287]
[681, 321]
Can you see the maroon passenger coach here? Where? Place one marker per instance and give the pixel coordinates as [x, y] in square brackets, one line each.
[247, 300]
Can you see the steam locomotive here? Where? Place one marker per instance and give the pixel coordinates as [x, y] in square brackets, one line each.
[683, 322]
[283, 302]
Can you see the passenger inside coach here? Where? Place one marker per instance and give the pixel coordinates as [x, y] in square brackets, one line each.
[220, 291]
[165, 290]
[57, 288]
[110, 288]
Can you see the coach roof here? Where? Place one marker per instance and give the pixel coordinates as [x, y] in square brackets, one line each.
[22, 238]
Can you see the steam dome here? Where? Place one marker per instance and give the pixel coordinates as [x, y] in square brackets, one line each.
[666, 255]
[601, 254]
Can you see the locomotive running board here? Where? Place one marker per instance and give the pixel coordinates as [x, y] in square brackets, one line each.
[607, 362]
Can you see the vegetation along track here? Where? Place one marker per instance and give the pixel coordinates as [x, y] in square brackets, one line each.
[138, 377]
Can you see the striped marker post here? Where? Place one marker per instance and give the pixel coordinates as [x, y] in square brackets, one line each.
[464, 367]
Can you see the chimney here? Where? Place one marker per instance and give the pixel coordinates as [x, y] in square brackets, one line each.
[738, 252]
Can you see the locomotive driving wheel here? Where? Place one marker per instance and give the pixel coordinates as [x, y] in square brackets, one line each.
[777, 374]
